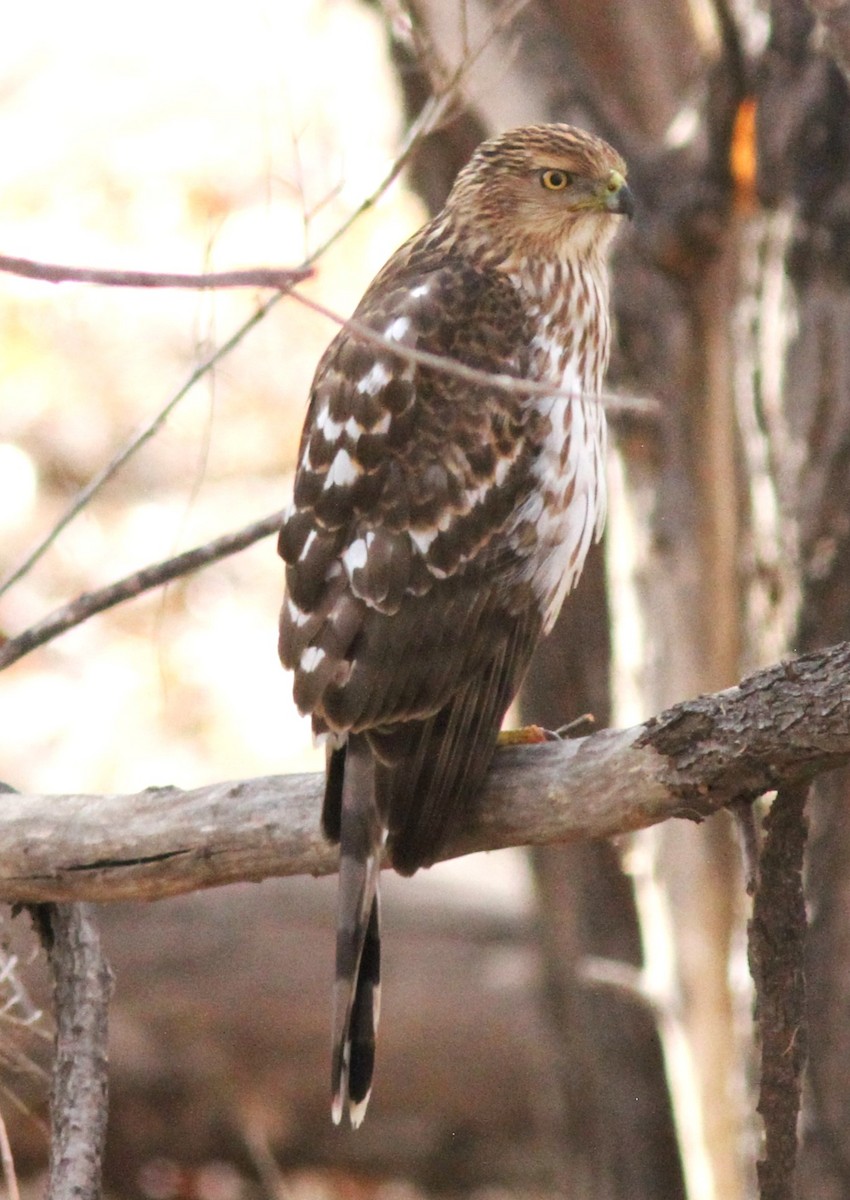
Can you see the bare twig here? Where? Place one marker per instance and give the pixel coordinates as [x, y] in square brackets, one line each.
[157, 574]
[279, 278]
[82, 987]
[780, 726]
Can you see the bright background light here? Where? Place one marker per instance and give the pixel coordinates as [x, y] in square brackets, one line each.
[179, 137]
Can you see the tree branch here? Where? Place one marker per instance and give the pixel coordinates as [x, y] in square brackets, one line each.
[156, 575]
[82, 985]
[780, 726]
[777, 937]
[279, 278]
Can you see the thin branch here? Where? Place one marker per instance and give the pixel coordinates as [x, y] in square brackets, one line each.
[153, 576]
[778, 727]
[82, 987]
[432, 115]
[648, 410]
[279, 278]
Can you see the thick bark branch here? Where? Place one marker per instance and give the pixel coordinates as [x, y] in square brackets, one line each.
[777, 937]
[780, 726]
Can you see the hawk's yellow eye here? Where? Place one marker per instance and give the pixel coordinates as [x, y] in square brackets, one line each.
[555, 180]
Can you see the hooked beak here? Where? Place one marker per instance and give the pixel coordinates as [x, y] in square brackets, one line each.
[617, 196]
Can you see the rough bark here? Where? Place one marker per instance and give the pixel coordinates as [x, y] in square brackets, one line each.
[82, 988]
[776, 951]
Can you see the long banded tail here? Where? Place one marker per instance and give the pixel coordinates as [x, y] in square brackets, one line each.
[357, 990]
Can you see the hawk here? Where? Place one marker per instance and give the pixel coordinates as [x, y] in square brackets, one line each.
[438, 521]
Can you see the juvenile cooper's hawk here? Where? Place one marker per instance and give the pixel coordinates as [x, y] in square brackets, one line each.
[437, 523]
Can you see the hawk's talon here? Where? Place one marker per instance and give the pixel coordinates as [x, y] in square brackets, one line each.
[535, 735]
[528, 735]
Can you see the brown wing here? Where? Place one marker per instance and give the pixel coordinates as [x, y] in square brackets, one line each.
[405, 604]
[426, 771]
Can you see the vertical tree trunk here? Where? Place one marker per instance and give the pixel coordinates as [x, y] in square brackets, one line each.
[804, 162]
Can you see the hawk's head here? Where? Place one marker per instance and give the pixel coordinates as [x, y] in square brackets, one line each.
[540, 191]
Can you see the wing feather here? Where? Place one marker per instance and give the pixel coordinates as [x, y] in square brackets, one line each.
[397, 536]
[427, 770]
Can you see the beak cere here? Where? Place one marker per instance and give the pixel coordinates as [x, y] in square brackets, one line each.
[618, 197]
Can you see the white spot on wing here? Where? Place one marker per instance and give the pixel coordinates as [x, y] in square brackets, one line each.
[311, 659]
[396, 330]
[378, 376]
[311, 537]
[422, 539]
[296, 616]
[503, 466]
[343, 470]
[329, 429]
[353, 428]
[354, 558]
[421, 289]
[475, 495]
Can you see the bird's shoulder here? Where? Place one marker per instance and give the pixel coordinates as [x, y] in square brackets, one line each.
[393, 444]
[439, 300]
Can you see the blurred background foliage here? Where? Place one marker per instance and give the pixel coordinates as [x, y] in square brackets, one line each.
[181, 140]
